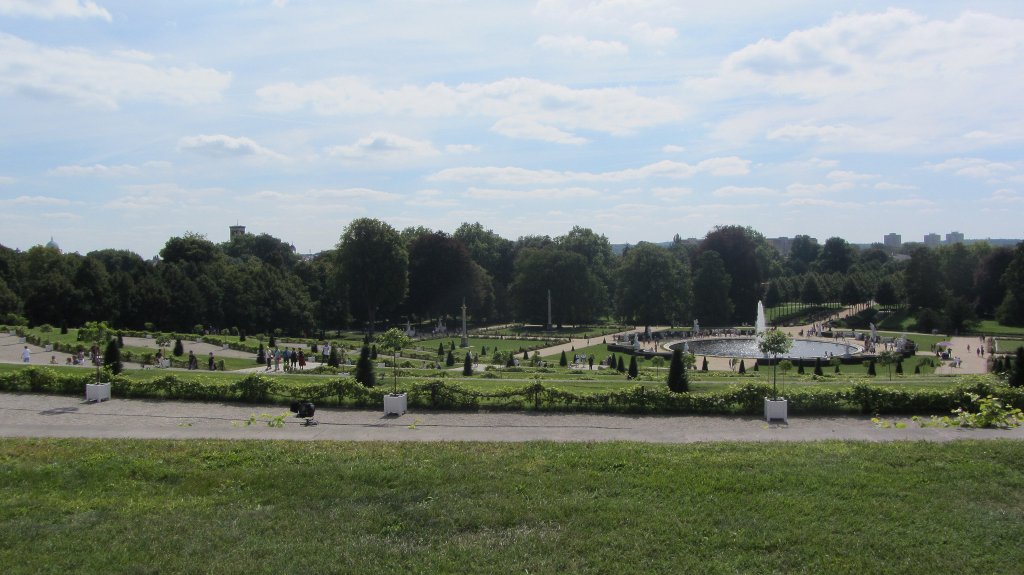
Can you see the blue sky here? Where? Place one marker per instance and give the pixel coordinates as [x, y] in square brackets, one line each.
[125, 123]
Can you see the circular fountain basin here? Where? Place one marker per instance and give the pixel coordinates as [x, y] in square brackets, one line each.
[747, 347]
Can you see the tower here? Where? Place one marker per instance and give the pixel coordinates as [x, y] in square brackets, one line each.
[236, 231]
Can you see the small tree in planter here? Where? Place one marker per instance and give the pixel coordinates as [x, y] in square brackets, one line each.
[393, 340]
[775, 343]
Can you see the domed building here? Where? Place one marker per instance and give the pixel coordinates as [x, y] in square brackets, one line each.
[52, 244]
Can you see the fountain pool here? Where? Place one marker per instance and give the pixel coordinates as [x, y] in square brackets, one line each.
[747, 347]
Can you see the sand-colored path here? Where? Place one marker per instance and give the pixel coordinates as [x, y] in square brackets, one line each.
[31, 415]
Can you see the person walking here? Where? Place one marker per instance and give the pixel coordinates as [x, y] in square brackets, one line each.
[213, 366]
[26, 355]
[193, 363]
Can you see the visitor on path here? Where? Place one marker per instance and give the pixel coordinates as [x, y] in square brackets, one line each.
[213, 366]
[193, 362]
[277, 359]
[26, 355]
[270, 359]
[302, 360]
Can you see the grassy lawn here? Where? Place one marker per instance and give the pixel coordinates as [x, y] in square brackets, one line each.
[134, 506]
[991, 327]
[1008, 345]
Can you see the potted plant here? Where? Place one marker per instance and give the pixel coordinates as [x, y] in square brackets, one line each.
[394, 340]
[775, 343]
[98, 391]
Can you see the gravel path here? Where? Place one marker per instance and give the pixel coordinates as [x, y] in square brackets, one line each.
[31, 415]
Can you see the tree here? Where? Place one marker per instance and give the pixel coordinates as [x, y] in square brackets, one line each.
[1017, 373]
[374, 264]
[811, 291]
[261, 355]
[988, 285]
[888, 359]
[851, 293]
[393, 340]
[885, 293]
[817, 366]
[633, 368]
[450, 360]
[678, 382]
[743, 367]
[332, 358]
[653, 286]
[922, 280]
[704, 364]
[364, 368]
[440, 351]
[467, 365]
[775, 343]
[1011, 310]
[711, 286]
[576, 291]
[442, 274]
[836, 256]
[563, 361]
[112, 357]
[803, 252]
[744, 254]
[621, 367]
[871, 368]
[179, 349]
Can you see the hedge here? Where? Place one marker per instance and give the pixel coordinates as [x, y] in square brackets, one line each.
[441, 394]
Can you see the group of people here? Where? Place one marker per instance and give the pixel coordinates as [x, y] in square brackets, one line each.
[292, 358]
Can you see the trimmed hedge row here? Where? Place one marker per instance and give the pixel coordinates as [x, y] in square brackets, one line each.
[441, 394]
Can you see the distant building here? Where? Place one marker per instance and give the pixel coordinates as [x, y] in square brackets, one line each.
[954, 238]
[52, 244]
[932, 240]
[236, 231]
[781, 245]
[893, 241]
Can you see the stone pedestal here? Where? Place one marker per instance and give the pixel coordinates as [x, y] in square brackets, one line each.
[395, 403]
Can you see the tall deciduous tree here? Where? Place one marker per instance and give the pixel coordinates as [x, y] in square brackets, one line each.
[711, 287]
[442, 275]
[575, 290]
[374, 265]
[837, 255]
[653, 286]
[744, 254]
[922, 280]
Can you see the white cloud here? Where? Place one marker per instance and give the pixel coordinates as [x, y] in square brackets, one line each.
[907, 203]
[534, 194]
[888, 186]
[321, 198]
[672, 149]
[671, 192]
[663, 169]
[461, 148]
[6, 180]
[848, 176]
[659, 36]
[98, 80]
[581, 45]
[35, 201]
[95, 170]
[733, 191]
[522, 107]
[51, 9]
[806, 190]
[972, 167]
[1006, 196]
[384, 146]
[821, 203]
[224, 146]
[163, 197]
[888, 80]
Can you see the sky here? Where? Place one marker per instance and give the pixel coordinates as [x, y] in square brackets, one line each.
[125, 123]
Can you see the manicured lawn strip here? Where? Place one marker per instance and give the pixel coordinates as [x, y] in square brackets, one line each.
[991, 327]
[95, 506]
[1007, 345]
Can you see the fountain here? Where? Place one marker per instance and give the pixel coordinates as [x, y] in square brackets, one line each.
[748, 346]
[759, 326]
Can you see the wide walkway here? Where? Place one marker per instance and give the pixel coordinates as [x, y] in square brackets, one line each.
[31, 415]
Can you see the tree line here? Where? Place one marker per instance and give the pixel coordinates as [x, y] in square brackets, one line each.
[377, 274]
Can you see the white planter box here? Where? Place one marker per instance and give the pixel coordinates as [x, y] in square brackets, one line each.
[395, 404]
[226, 346]
[97, 391]
[776, 409]
[21, 340]
[49, 347]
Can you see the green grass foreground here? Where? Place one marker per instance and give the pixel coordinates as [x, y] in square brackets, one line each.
[137, 506]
